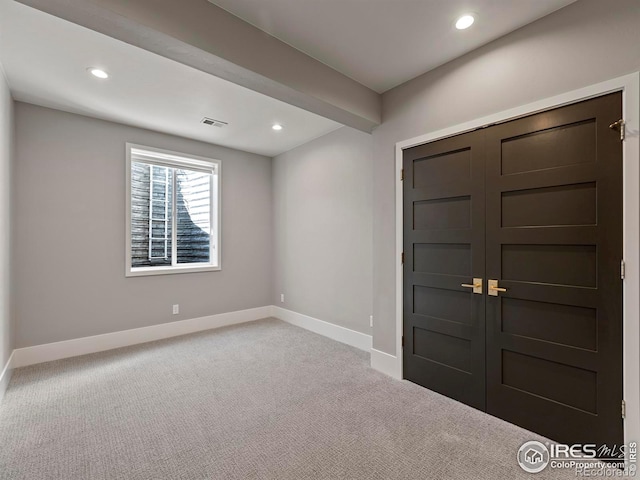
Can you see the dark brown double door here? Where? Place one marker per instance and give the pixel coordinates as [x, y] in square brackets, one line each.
[535, 205]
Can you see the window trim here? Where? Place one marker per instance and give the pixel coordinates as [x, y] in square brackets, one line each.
[193, 162]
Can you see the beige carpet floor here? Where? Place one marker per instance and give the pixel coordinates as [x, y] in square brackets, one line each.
[264, 400]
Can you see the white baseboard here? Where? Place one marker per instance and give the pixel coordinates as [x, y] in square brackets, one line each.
[385, 363]
[23, 357]
[98, 343]
[335, 332]
[5, 376]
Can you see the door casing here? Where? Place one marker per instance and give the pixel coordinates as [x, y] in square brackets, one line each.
[629, 85]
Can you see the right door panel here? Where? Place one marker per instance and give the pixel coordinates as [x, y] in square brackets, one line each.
[554, 242]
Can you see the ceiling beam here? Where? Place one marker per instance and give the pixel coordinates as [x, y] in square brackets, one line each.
[204, 36]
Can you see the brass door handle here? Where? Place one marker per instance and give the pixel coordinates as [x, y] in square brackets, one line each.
[494, 288]
[476, 285]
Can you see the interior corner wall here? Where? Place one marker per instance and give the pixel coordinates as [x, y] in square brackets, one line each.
[582, 44]
[323, 229]
[6, 162]
[70, 232]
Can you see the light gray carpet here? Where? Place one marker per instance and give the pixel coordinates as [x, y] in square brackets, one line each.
[264, 400]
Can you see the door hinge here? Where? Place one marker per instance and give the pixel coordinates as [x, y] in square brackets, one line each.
[402, 258]
[402, 175]
[622, 269]
[619, 125]
[402, 341]
[624, 409]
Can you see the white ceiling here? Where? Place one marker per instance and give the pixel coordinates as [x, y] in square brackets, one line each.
[383, 43]
[45, 60]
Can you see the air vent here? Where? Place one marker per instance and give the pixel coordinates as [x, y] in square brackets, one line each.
[214, 123]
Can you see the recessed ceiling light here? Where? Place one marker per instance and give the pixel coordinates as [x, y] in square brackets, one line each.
[465, 22]
[97, 72]
[277, 126]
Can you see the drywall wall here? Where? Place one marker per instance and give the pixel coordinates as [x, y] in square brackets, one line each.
[6, 154]
[323, 229]
[582, 44]
[70, 232]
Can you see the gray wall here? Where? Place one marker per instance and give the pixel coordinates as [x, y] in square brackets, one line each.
[6, 154]
[70, 232]
[582, 44]
[323, 229]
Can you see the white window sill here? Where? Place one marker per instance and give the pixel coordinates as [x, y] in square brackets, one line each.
[147, 271]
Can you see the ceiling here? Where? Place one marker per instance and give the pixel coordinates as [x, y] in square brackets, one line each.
[383, 43]
[45, 59]
[374, 42]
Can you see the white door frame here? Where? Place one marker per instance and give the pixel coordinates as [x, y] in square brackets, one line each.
[629, 85]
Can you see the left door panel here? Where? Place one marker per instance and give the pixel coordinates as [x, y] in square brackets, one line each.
[444, 248]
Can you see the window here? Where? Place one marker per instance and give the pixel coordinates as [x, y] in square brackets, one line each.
[173, 212]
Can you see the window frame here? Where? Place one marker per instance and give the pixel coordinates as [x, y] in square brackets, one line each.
[167, 158]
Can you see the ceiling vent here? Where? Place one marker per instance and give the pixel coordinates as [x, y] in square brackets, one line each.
[214, 123]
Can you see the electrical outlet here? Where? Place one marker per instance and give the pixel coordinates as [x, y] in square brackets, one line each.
[282, 298]
[176, 309]
[371, 320]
